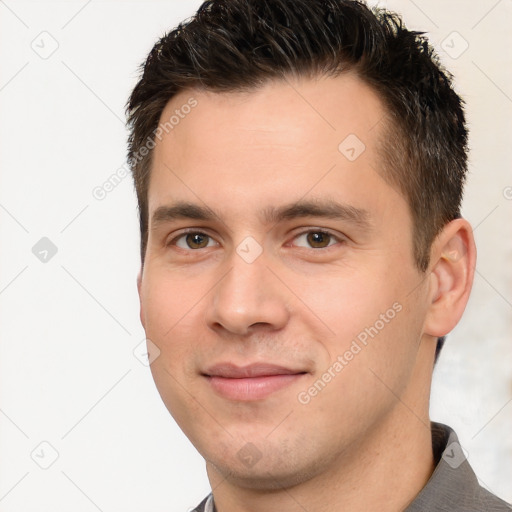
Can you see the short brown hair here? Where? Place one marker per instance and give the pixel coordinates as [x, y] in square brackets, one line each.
[231, 45]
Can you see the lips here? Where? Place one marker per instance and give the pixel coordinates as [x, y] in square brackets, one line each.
[251, 382]
[230, 371]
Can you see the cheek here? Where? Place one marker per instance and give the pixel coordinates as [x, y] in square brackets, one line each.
[367, 315]
[173, 314]
[173, 320]
[376, 327]
[346, 302]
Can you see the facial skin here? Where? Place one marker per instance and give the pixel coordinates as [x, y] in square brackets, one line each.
[244, 157]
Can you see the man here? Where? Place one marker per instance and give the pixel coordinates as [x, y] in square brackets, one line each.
[299, 168]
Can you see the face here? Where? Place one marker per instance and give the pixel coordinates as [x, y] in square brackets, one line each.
[279, 283]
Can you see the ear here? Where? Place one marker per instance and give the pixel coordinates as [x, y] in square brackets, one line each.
[139, 290]
[452, 268]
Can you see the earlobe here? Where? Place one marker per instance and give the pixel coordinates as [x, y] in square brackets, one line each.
[139, 290]
[139, 281]
[453, 258]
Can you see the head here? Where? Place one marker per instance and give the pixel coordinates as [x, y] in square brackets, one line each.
[299, 168]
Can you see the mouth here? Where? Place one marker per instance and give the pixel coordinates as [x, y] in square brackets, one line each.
[251, 382]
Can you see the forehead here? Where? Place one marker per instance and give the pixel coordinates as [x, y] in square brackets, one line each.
[279, 111]
[274, 144]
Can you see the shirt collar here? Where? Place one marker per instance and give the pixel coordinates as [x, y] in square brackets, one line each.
[453, 485]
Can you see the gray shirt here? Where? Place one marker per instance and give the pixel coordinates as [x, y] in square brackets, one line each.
[453, 486]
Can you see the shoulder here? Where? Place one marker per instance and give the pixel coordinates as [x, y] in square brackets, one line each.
[491, 503]
[454, 487]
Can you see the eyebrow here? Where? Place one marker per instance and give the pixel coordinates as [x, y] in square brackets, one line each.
[327, 209]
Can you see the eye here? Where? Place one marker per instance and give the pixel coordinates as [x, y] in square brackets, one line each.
[194, 240]
[315, 240]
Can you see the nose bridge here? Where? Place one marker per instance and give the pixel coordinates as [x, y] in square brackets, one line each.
[247, 296]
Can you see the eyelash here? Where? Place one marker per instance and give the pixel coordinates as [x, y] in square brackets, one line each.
[338, 239]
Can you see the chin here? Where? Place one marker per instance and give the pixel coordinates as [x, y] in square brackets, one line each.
[267, 475]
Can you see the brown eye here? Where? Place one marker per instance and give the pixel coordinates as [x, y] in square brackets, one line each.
[318, 239]
[315, 240]
[196, 240]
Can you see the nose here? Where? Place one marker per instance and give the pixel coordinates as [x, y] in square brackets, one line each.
[248, 298]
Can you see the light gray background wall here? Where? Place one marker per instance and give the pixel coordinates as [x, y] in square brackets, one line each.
[68, 374]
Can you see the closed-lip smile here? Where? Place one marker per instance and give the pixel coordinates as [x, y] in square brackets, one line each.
[254, 381]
